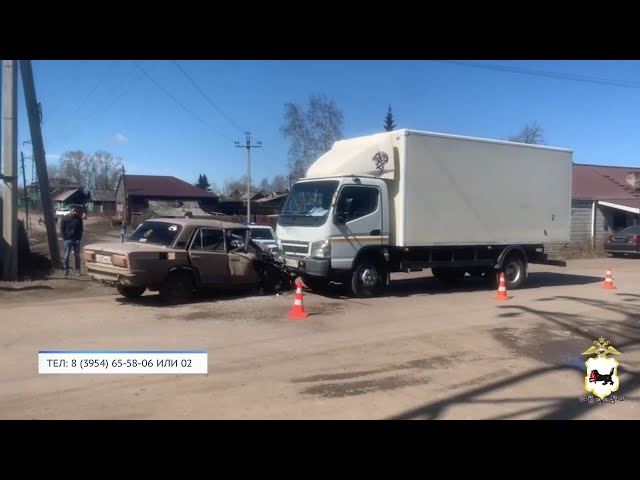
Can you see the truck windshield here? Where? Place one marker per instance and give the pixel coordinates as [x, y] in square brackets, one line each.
[310, 199]
[157, 233]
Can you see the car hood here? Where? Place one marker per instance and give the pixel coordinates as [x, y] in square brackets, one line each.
[126, 247]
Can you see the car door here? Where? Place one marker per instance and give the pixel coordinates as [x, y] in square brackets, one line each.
[359, 220]
[208, 255]
[241, 258]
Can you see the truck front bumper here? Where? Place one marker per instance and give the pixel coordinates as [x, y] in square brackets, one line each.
[316, 267]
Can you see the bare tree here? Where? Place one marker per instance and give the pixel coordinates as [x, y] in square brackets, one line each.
[280, 183]
[105, 170]
[311, 132]
[532, 133]
[264, 186]
[73, 166]
[100, 170]
[53, 170]
[239, 184]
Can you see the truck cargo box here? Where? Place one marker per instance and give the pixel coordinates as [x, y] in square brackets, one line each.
[453, 190]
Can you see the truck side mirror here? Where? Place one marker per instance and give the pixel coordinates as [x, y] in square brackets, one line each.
[340, 219]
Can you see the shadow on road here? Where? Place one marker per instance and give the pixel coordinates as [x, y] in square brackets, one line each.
[22, 289]
[152, 299]
[405, 287]
[624, 335]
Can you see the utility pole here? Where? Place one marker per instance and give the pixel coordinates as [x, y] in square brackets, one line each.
[248, 146]
[26, 197]
[10, 173]
[34, 114]
[125, 204]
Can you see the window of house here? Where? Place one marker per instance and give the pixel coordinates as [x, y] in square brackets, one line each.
[356, 202]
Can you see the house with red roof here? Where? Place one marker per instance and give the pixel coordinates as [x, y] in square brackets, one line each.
[605, 200]
[135, 194]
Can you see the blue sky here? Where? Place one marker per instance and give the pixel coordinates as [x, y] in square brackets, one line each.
[112, 105]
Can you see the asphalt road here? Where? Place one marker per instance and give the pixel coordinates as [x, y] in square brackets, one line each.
[418, 352]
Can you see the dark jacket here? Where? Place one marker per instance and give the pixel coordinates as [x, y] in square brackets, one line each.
[71, 228]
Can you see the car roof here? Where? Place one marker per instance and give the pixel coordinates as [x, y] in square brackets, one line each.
[198, 222]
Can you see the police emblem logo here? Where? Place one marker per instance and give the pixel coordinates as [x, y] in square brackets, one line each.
[602, 378]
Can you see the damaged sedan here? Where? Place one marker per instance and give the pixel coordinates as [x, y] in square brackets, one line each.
[177, 256]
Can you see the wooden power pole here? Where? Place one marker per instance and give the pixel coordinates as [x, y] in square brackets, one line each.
[33, 112]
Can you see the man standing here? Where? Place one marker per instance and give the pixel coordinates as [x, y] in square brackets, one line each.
[71, 231]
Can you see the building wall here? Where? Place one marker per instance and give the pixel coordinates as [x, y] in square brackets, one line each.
[581, 222]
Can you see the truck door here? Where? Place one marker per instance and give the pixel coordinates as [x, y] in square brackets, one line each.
[358, 216]
[208, 256]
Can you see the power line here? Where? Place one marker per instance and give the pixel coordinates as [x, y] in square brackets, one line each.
[179, 103]
[546, 74]
[92, 91]
[206, 97]
[69, 84]
[71, 117]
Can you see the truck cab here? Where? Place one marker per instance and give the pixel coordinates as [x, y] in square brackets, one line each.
[327, 223]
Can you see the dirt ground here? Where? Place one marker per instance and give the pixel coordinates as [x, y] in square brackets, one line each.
[419, 352]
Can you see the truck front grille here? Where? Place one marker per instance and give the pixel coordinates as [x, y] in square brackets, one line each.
[293, 247]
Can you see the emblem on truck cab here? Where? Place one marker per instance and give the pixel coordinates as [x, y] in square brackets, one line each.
[380, 159]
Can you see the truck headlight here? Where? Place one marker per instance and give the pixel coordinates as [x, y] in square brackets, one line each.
[321, 249]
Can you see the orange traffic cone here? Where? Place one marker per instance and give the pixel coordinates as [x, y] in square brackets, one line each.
[502, 289]
[608, 281]
[298, 308]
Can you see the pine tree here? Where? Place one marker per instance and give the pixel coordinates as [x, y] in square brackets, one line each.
[203, 182]
[389, 123]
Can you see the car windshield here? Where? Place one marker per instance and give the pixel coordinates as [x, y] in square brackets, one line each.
[261, 234]
[311, 199]
[635, 230]
[157, 233]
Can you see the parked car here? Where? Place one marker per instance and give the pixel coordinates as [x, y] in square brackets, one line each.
[176, 256]
[265, 236]
[623, 242]
[63, 211]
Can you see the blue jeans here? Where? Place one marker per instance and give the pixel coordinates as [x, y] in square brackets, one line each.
[68, 246]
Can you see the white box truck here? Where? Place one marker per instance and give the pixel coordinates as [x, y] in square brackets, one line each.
[406, 200]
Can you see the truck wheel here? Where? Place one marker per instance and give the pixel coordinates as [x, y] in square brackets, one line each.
[177, 288]
[366, 280]
[514, 272]
[448, 276]
[130, 292]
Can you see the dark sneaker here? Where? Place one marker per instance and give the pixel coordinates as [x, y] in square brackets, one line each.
[66, 273]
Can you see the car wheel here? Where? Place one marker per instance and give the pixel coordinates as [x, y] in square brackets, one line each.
[177, 288]
[130, 292]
